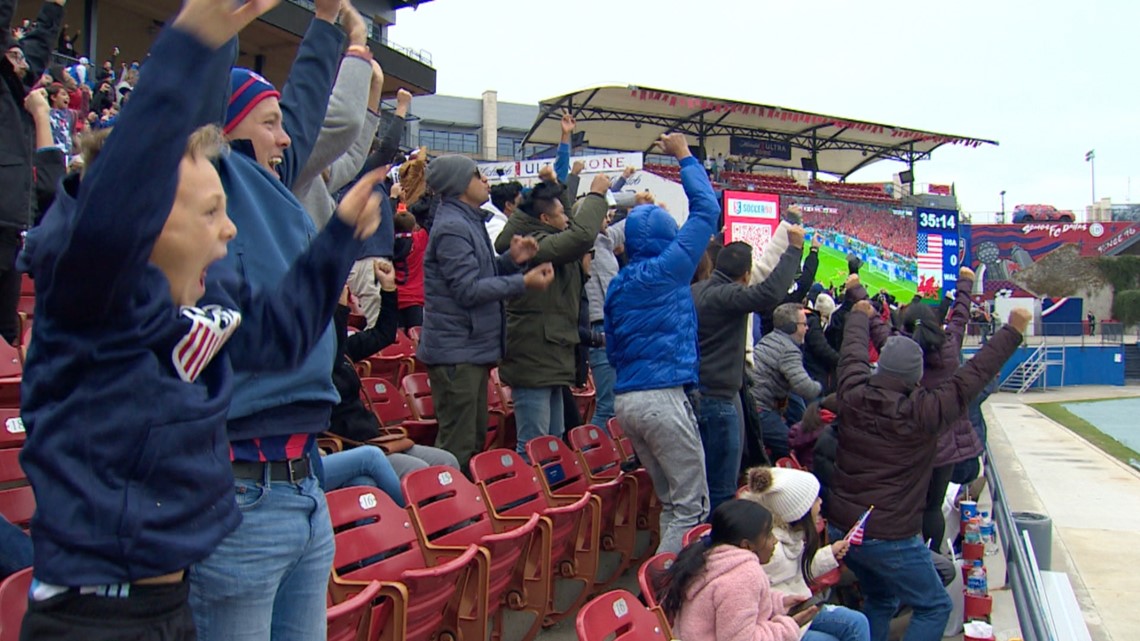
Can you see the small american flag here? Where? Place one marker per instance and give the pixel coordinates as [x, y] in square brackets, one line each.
[210, 328]
[930, 252]
[855, 536]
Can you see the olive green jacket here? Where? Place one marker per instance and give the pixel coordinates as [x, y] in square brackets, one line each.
[542, 326]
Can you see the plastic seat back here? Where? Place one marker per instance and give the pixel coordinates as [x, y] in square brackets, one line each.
[599, 454]
[17, 502]
[651, 576]
[449, 510]
[375, 541]
[620, 439]
[417, 389]
[388, 404]
[697, 532]
[562, 471]
[14, 603]
[11, 428]
[619, 616]
[347, 620]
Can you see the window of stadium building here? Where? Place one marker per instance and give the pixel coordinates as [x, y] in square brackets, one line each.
[449, 141]
[509, 147]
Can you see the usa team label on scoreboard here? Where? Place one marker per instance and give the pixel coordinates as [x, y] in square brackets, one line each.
[936, 252]
[750, 217]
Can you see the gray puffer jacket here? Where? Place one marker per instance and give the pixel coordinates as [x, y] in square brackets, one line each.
[778, 371]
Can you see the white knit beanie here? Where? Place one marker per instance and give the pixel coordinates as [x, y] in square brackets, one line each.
[787, 493]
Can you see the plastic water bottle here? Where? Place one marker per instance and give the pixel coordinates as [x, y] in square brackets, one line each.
[976, 582]
[989, 534]
[973, 530]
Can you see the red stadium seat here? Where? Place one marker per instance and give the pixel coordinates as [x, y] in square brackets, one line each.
[563, 474]
[587, 398]
[620, 439]
[651, 574]
[501, 430]
[511, 488]
[697, 532]
[14, 603]
[417, 392]
[602, 462]
[619, 616]
[348, 621]
[450, 510]
[395, 361]
[11, 428]
[11, 373]
[17, 502]
[391, 409]
[428, 591]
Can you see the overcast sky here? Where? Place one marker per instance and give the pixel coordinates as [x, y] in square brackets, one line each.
[1049, 79]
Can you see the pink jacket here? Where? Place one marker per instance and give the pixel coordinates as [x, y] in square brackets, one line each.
[731, 600]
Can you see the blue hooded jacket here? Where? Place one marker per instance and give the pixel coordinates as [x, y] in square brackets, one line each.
[125, 393]
[273, 230]
[651, 323]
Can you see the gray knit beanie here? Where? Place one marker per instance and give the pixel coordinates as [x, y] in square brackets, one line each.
[902, 358]
[448, 176]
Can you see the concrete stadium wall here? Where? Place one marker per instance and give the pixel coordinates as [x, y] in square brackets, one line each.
[1084, 365]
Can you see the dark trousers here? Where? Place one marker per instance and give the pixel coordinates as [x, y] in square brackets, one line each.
[719, 423]
[933, 523]
[459, 393]
[775, 431]
[9, 285]
[410, 317]
[150, 613]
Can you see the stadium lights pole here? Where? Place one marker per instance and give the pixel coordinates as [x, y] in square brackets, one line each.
[1090, 157]
[1003, 205]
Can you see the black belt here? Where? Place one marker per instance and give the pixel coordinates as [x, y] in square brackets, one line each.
[293, 470]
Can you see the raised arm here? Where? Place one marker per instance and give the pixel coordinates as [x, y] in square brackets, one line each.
[116, 228]
[768, 293]
[562, 160]
[854, 356]
[578, 238]
[456, 257]
[280, 325]
[40, 41]
[802, 384]
[683, 254]
[960, 310]
[361, 345]
[937, 408]
[343, 122]
[305, 97]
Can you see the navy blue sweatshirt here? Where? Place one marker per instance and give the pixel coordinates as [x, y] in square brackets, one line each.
[125, 394]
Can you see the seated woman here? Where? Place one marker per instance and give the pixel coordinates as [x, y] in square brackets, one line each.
[350, 418]
[792, 496]
[717, 589]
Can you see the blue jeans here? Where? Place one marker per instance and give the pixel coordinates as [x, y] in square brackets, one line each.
[538, 412]
[365, 465]
[837, 623]
[15, 549]
[891, 573]
[268, 579]
[794, 412]
[604, 379]
[719, 422]
[775, 432]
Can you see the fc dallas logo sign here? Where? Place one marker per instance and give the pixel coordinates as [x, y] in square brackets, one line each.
[210, 328]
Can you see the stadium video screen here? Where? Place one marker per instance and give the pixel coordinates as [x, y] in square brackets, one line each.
[883, 236]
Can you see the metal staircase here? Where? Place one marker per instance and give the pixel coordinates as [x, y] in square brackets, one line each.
[1032, 371]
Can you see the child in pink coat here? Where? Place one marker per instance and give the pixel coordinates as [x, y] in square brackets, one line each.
[716, 590]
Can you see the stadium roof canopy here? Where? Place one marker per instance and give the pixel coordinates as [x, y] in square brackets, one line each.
[632, 118]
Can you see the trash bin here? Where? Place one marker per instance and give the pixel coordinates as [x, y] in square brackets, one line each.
[1040, 529]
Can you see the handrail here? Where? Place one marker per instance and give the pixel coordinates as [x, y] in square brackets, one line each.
[1022, 574]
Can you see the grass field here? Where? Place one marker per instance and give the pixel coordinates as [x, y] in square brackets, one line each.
[1087, 431]
[833, 271]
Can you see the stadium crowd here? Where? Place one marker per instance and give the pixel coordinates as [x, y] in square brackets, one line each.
[191, 350]
[871, 224]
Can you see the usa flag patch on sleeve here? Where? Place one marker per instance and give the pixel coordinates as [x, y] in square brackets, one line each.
[210, 328]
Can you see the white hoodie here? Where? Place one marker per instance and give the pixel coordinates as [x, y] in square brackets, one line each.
[784, 567]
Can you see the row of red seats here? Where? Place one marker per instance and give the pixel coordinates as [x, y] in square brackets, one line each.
[853, 191]
[463, 552]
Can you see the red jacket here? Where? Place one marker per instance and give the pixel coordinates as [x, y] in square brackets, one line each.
[410, 272]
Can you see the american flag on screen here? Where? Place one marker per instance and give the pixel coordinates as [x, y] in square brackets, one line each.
[930, 252]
